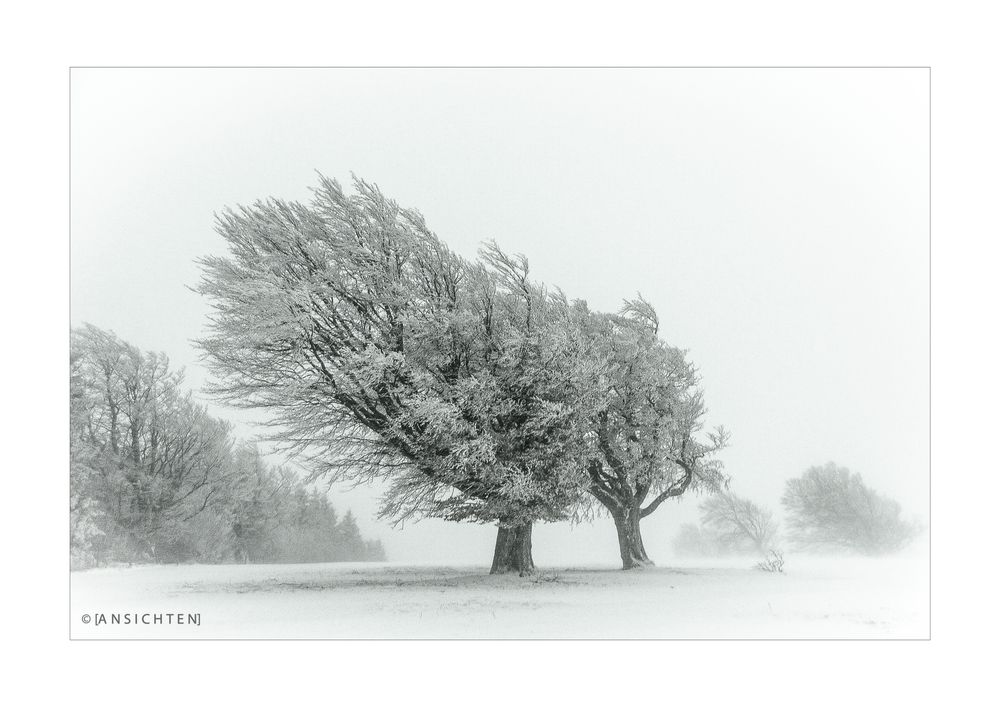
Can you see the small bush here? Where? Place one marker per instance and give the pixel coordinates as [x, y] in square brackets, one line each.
[542, 577]
[773, 562]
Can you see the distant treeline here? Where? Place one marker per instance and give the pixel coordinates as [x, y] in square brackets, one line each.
[155, 478]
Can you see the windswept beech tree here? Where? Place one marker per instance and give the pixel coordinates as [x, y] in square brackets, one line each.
[644, 433]
[380, 354]
[512, 408]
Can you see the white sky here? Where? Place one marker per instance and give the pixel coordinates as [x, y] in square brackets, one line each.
[777, 219]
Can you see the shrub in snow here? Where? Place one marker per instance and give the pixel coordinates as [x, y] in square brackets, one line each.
[774, 562]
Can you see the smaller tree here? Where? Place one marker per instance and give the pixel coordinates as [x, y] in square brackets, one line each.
[739, 522]
[645, 427]
[829, 507]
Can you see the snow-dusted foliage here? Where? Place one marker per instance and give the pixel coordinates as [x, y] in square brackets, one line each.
[382, 354]
[153, 477]
[828, 507]
[643, 432]
[477, 393]
[145, 457]
[503, 393]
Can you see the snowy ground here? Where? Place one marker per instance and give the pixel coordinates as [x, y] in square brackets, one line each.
[814, 598]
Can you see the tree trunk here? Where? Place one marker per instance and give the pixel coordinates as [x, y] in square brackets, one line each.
[630, 538]
[513, 550]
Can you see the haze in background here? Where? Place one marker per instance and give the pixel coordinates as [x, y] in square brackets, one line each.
[776, 219]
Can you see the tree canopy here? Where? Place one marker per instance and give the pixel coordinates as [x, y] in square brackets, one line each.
[475, 392]
[381, 354]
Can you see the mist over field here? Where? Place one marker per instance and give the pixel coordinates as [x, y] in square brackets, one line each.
[818, 597]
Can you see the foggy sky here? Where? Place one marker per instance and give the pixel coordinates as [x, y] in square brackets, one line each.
[776, 219]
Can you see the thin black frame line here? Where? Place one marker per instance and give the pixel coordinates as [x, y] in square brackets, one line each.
[510, 640]
[69, 337]
[930, 357]
[483, 66]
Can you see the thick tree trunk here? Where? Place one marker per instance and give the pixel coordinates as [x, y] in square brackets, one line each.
[630, 538]
[513, 550]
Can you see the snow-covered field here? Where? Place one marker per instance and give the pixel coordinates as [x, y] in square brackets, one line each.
[814, 598]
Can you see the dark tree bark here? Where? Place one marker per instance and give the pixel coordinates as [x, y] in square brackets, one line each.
[513, 550]
[623, 499]
[624, 502]
[630, 545]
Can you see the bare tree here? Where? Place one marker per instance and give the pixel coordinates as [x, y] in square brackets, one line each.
[829, 507]
[739, 522]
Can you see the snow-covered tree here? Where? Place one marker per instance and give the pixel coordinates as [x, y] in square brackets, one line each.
[513, 416]
[251, 504]
[154, 478]
[144, 453]
[829, 507]
[644, 432]
[381, 354]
